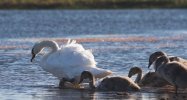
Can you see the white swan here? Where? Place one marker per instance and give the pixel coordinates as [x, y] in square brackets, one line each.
[67, 62]
[174, 72]
[151, 79]
[154, 56]
[110, 83]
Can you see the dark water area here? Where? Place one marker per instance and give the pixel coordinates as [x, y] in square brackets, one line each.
[119, 39]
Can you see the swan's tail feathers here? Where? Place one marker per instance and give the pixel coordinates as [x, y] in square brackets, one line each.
[71, 41]
[68, 42]
[101, 73]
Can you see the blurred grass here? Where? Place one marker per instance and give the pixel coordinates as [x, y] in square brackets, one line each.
[91, 4]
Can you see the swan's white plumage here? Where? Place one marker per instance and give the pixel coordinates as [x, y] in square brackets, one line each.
[70, 60]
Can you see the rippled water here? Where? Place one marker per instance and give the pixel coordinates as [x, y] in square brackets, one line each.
[120, 39]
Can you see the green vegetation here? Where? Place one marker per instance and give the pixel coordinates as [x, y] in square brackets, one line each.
[91, 4]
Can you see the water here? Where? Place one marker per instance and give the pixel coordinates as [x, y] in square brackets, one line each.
[120, 39]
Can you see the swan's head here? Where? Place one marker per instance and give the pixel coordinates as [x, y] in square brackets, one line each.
[161, 60]
[134, 70]
[88, 75]
[38, 47]
[35, 50]
[154, 56]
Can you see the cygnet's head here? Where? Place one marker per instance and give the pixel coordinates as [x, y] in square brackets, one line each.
[86, 75]
[154, 56]
[133, 71]
[161, 60]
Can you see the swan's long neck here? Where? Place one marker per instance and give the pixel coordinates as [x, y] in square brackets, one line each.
[161, 62]
[49, 44]
[139, 77]
[92, 82]
[88, 75]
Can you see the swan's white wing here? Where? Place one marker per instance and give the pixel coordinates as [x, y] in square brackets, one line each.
[77, 55]
[77, 58]
[72, 46]
[70, 67]
[69, 57]
[66, 58]
[71, 61]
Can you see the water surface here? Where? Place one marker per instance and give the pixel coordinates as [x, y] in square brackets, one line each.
[119, 39]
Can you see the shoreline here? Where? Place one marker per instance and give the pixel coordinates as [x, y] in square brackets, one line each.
[110, 4]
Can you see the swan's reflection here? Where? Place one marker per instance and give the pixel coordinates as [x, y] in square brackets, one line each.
[147, 93]
[80, 94]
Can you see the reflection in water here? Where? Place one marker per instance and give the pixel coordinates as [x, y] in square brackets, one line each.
[68, 94]
[146, 93]
[53, 93]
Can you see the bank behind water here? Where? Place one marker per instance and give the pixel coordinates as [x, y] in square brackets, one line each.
[91, 4]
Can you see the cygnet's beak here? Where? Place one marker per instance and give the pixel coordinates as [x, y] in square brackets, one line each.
[150, 63]
[129, 75]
